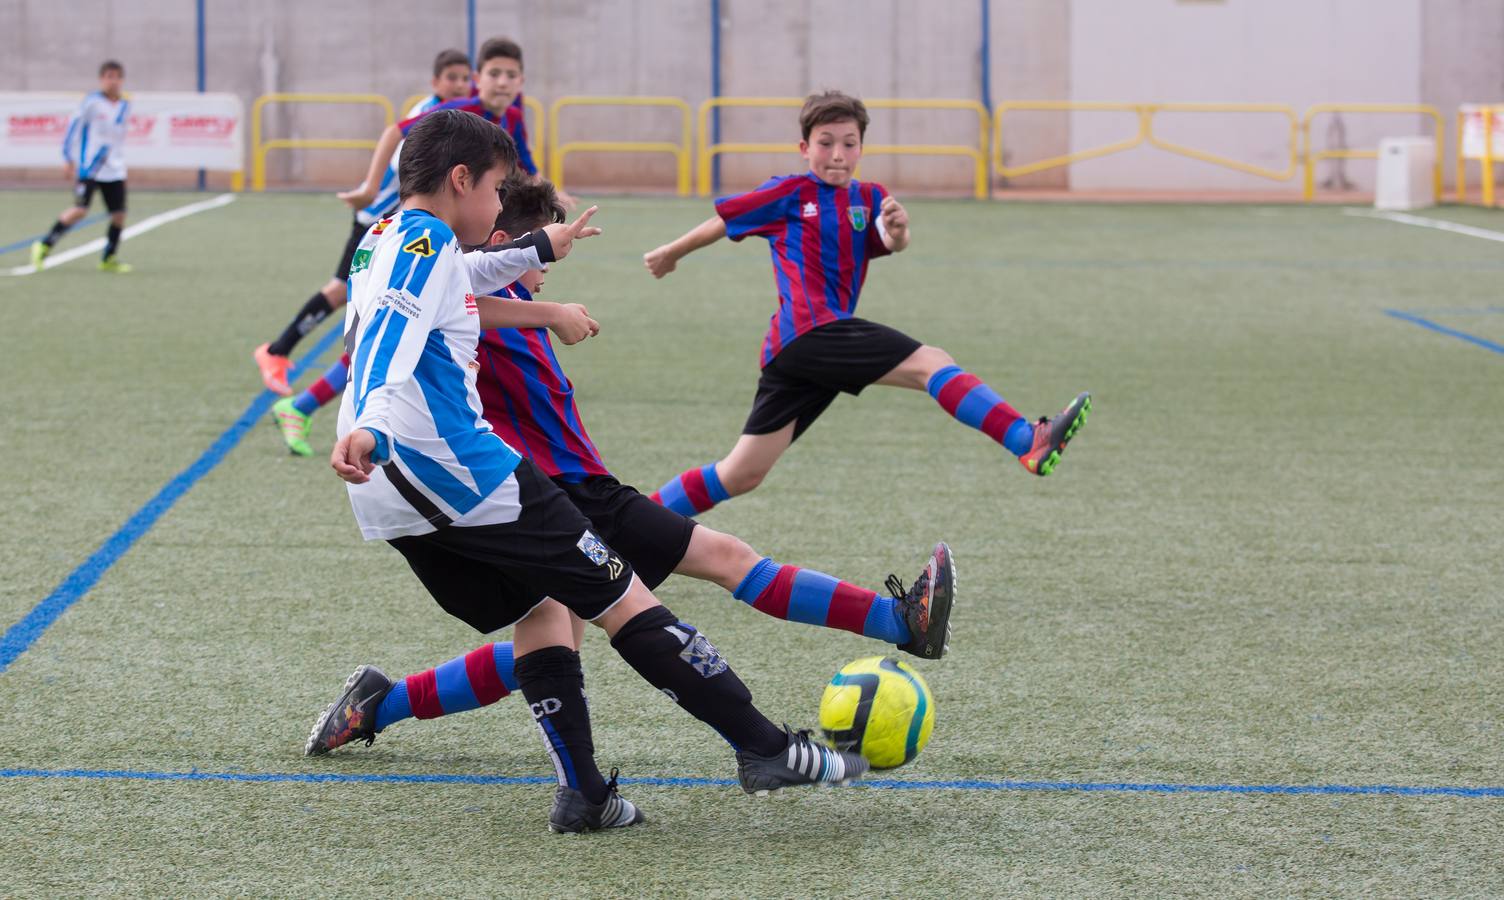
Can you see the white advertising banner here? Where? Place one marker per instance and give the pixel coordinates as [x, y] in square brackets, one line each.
[1472, 130]
[167, 130]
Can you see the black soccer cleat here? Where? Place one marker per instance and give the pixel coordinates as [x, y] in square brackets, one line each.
[353, 716]
[802, 761]
[573, 814]
[926, 606]
[1052, 434]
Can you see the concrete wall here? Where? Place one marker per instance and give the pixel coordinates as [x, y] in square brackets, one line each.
[1289, 51]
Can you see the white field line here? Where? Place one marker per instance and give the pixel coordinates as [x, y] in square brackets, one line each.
[1423, 222]
[141, 227]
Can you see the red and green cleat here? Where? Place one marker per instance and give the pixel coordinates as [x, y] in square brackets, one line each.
[1052, 434]
[274, 370]
[293, 424]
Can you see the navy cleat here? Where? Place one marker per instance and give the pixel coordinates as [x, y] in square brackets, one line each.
[802, 761]
[573, 814]
[353, 716]
[926, 606]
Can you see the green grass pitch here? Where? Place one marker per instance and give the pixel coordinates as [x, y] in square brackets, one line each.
[1273, 557]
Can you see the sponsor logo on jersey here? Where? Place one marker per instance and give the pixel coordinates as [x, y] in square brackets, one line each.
[419, 246]
[400, 302]
[360, 261]
[858, 216]
[470, 308]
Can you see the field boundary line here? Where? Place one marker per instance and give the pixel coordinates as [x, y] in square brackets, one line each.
[1412, 318]
[20, 636]
[1423, 222]
[141, 227]
[1109, 787]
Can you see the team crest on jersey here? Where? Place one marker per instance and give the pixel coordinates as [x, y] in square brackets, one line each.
[360, 261]
[419, 246]
[811, 210]
[380, 226]
[470, 308]
[858, 217]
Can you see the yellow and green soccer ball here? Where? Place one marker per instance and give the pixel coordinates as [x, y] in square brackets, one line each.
[879, 707]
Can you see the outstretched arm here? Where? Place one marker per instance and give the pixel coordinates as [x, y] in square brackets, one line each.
[663, 260]
[570, 321]
[381, 157]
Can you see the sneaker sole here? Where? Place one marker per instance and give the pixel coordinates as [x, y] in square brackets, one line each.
[940, 607]
[1048, 464]
[328, 711]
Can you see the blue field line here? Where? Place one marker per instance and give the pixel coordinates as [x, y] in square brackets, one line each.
[1452, 332]
[24, 633]
[27, 242]
[1098, 787]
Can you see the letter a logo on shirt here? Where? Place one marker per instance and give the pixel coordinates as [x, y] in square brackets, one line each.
[420, 247]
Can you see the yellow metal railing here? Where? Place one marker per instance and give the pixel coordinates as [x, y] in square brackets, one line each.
[1145, 113]
[259, 148]
[707, 151]
[534, 130]
[680, 151]
[1313, 156]
[1486, 160]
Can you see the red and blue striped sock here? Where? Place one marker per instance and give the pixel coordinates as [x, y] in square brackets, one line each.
[693, 492]
[479, 678]
[814, 598]
[325, 389]
[968, 399]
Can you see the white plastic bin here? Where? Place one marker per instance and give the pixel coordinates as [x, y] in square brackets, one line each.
[1406, 174]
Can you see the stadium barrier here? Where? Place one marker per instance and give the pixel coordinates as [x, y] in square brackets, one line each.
[1312, 156]
[1145, 114]
[1480, 136]
[259, 148]
[534, 131]
[680, 151]
[707, 151]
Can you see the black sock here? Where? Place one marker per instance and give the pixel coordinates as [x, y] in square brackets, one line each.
[111, 240]
[676, 659]
[58, 230]
[554, 686]
[316, 310]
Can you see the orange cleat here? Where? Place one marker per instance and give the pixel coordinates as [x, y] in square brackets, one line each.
[1052, 434]
[273, 370]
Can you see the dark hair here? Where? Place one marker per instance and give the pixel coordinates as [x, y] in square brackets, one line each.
[832, 106]
[499, 47]
[111, 65]
[526, 205]
[446, 138]
[447, 58]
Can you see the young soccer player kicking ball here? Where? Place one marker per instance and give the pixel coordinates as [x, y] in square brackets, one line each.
[824, 227]
[493, 540]
[451, 81]
[94, 150]
[529, 402]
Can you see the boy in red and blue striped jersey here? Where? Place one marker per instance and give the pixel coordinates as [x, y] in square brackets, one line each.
[530, 404]
[824, 227]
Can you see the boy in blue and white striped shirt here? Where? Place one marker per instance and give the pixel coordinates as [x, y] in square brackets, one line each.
[93, 151]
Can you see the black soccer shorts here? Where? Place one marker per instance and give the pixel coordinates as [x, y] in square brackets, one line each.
[652, 538]
[112, 192]
[490, 576]
[843, 356]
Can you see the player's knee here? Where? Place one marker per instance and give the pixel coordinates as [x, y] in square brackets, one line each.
[730, 558]
[934, 359]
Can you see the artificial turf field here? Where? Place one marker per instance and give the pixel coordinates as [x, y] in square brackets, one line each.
[1230, 647]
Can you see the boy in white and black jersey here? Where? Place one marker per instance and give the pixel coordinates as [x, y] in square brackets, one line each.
[93, 151]
[492, 539]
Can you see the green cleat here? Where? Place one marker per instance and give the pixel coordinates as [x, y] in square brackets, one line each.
[39, 252]
[1052, 434]
[114, 265]
[294, 426]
